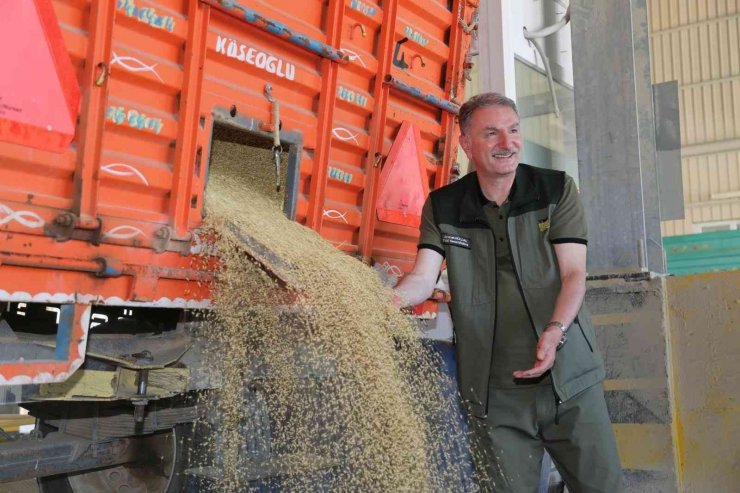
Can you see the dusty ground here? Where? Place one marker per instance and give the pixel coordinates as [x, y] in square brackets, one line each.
[27, 486]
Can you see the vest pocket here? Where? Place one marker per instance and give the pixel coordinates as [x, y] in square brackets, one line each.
[472, 270]
[537, 264]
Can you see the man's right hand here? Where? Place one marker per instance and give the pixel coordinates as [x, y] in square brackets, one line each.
[440, 296]
[418, 285]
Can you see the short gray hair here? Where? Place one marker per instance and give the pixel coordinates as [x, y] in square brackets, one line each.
[482, 101]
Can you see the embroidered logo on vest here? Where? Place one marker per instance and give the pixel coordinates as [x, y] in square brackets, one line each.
[544, 224]
[454, 240]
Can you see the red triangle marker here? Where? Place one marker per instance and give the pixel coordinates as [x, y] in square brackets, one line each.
[39, 92]
[403, 186]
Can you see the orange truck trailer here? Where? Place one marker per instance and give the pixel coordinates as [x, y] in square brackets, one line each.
[107, 113]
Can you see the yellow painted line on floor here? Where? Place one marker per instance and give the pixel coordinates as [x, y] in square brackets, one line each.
[635, 383]
[612, 319]
[645, 447]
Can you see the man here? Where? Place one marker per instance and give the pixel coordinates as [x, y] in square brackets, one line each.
[514, 238]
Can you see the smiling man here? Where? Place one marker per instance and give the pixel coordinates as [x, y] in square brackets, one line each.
[514, 237]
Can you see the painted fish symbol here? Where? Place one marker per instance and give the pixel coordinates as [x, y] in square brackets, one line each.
[123, 169]
[391, 269]
[354, 56]
[142, 67]
[124, 232]
[26, 218]
[344, 134]
[335, 214]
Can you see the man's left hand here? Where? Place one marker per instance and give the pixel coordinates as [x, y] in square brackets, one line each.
[547, 347]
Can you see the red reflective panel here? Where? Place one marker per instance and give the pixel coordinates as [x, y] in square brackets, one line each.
[39, 93]
[403, 183]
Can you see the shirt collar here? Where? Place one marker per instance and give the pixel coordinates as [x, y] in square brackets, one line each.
[523, 191]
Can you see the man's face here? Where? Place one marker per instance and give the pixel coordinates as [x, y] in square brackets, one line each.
[493, 142]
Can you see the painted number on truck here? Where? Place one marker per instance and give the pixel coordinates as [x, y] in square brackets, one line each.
[133, 118]
[338, 174]
[363, 8]
[351, 96]
[415, 36]
[263, 61]
[146, 15]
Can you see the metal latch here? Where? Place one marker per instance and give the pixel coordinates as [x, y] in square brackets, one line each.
[277, 149]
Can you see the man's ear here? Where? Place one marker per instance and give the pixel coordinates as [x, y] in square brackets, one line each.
[465, 144]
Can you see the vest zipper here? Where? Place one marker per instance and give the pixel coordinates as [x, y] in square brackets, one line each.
[495, 294]
[495, 314]
[558, 400]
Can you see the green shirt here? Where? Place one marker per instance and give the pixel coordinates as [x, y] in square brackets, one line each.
[515, 341]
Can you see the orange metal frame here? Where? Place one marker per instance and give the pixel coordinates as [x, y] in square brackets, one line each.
[114, 218]
[374, 155]
[95, 81]
[329, 70]
[70, 352]
[190, 108]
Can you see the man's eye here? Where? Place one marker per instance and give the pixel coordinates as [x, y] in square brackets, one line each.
[515, 130]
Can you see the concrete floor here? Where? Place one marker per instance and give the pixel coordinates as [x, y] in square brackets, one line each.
[26, 486]
[10, 420]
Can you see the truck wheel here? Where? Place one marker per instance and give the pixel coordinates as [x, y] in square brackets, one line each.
[160, 470]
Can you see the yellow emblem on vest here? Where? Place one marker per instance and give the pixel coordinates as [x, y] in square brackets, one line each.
[544, 225]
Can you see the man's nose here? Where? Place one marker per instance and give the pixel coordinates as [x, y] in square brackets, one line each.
[504, 140]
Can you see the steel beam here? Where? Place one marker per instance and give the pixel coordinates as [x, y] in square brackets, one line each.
[616, 135]
[730, 145]
[417, 93]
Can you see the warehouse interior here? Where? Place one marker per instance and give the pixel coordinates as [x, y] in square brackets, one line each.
[639, 101]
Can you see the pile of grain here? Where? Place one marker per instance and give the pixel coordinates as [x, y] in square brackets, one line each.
[325, 386]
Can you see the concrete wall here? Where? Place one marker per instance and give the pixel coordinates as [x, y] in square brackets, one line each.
[670, 346]
[704, 339]
[628, 316]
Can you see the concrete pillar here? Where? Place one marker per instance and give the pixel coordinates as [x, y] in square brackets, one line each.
[496, 31]
[616, 135]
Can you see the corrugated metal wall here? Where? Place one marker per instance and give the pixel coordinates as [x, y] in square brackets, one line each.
[697, 43]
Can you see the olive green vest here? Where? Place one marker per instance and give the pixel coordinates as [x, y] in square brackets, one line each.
[469, 248]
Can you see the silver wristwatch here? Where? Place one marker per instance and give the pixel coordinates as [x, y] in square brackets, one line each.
[563, 329]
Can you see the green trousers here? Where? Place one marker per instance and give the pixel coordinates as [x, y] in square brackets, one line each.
[509, 444]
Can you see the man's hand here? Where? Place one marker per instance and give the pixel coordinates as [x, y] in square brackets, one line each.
[418, 284]
[440, 296]
[572, 262]
[547, 347]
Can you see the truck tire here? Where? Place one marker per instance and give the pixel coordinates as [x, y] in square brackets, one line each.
[160, 471]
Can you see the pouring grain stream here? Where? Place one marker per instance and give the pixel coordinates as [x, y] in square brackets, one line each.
[351, 395]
